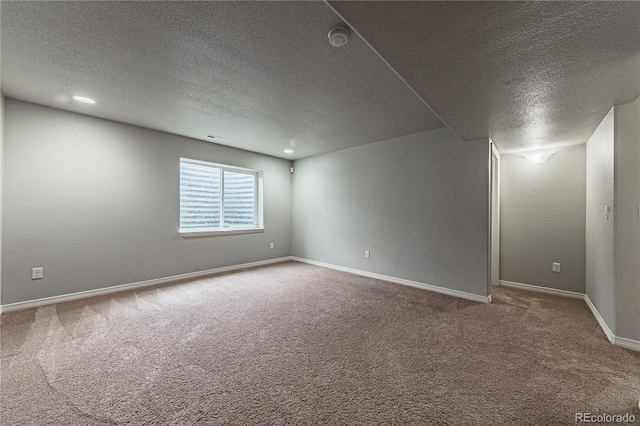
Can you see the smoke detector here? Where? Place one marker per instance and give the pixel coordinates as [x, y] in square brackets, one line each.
[338, 36]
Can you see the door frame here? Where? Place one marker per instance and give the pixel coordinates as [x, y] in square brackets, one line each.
[494, 218]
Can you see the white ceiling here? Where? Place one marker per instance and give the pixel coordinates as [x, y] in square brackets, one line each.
[263, 75]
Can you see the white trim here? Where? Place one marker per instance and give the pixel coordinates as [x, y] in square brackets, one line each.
[623, 342]
[539, 289]
[122, 287]
[603, 325]
[618, 341]
[258, 217]
[218, 232]
[436, 289]
[494, 149]
[219, 165]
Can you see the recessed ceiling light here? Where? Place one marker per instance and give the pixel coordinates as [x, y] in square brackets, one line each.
[288, 151]
[84, 100]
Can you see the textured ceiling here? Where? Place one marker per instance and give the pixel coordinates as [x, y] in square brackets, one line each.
[261, 74]
[522, 73]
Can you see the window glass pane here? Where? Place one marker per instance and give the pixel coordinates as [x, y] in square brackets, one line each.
[239, 199]
[199, 196]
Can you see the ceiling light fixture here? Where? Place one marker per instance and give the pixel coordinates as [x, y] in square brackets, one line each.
[288, 151]
[535, 158]
[216, 138]
[538, 157]
[338, 36]
[84, 100]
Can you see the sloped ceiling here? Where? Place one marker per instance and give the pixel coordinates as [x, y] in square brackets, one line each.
[523, 73]
[262, 74]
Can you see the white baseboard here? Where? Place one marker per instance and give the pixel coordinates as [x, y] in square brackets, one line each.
[123, 287]
[623, 342]
[603, 324]
[436, 289]
[539, 289]
[616, 340]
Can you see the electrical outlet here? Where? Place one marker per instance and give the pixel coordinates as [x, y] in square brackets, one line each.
[272, 246]
[367, 255]
[37, 273]
[555, 267]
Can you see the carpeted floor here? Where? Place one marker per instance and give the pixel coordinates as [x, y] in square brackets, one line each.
[298, 344]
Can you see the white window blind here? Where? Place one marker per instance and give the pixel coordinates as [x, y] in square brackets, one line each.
[215, 197]
[239, 199]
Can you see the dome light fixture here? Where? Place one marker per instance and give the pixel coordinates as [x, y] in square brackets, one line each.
[538, 156]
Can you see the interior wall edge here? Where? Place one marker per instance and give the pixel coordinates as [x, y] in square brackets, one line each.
[626, 213]
[2, 98]
[601, 321]
[623, 342]
[600, 284]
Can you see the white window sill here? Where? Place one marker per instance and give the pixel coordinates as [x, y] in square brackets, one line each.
[219, 232]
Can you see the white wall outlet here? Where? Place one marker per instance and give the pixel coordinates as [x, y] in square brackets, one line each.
[555, 267]
[367, 255]
[37, 273]
[272, 246]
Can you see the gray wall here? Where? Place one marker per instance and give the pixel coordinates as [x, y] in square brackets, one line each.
[419, 203]
[95, 203]
[627, 223]
[600, 274]
[543, 219]
[1, 181]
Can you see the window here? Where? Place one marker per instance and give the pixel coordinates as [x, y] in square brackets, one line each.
[219, 199]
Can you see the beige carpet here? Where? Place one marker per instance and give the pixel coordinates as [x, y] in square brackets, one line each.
[298, 344]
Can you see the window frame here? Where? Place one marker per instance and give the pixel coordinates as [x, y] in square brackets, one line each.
[258, 202]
